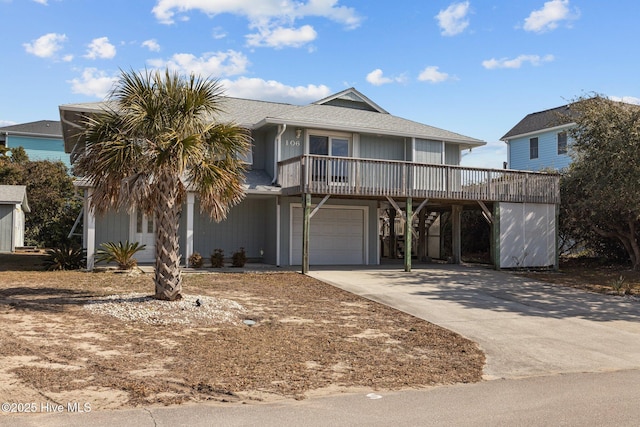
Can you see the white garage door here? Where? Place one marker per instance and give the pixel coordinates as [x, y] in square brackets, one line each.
[336, 237]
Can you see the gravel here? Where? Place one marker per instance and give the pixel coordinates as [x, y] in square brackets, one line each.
[197, 309]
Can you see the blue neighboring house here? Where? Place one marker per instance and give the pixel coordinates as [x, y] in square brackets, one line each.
[42, 140]
[540, 141]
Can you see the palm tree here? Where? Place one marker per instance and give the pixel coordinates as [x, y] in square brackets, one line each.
[158, 138]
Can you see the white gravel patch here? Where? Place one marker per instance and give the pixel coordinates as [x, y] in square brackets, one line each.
[201, 310]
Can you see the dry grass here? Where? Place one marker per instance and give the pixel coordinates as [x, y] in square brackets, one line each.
[592, 275]
[309, 337]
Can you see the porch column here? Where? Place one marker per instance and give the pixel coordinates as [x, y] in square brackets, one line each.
[408, 235]
[89, 229]
[456, 238]
[306, 211]
[191, 198]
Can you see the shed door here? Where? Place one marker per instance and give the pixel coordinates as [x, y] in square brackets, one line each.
[337, 237]
[6, 227]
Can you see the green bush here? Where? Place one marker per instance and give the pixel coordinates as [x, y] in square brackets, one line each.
[217, 258]
[65, 257]
[120, 253]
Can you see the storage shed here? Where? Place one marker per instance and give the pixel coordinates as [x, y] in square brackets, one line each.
[13, 205]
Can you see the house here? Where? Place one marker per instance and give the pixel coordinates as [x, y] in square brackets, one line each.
[540, 141]
[42, 140]
[327, 181]
[13, 205]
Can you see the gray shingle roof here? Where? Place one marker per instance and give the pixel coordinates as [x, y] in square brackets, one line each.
[43, 127]
[255, 114]
[541, 120]
[14, 195]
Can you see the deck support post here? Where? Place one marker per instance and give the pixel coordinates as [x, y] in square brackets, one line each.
[408, 235]
[306, 217]
[456, 235]
[392, 233]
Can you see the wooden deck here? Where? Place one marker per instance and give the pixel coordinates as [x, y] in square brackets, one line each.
[344, 176]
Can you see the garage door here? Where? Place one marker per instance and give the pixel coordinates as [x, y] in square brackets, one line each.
[336, 237]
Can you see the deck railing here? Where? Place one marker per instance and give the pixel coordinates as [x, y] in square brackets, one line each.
[347, 176]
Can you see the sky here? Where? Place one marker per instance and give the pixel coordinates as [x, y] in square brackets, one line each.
[473, 67]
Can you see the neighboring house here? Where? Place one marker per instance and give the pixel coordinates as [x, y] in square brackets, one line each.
[42, 140]
[13, 205]
[540, 141]
[352, 169]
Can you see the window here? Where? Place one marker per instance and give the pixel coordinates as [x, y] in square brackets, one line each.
[533, 148]
[335, 146]
[562, 143]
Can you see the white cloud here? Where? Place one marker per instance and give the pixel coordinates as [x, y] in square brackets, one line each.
[4, 123]
[218, 64]
[626, 99]
[259, 11]
[282, 37]
[43, 2]
[46, 46]
[271, 90]
[152, 45]
[453, 20]
[273, 20]
[377, 78]
[547, 18]
[432, 74]
[93, 82]
[492, 64]
[100, 48]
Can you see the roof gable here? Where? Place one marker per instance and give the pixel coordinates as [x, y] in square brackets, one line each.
[351, 98]
[14, 195]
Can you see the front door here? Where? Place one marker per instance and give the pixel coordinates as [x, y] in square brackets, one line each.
[143, 231]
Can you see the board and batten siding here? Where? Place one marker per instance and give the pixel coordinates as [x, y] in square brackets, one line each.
[113, 226]
[246, 226]
[548, 157]
[428, 151]
[527, 234]
[381, 148]
[6, 228]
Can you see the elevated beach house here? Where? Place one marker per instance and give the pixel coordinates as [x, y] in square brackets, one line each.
[342, 181]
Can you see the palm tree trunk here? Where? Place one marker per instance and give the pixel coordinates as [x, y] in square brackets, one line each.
[168, 276]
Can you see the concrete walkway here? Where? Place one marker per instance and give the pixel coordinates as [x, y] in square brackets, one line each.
[526, 328]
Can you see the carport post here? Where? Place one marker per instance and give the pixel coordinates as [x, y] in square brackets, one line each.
[408, 235]
[306, 210]
[456, 238]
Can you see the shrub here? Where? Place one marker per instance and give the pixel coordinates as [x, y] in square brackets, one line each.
[65, 257]
[195, 260]
[120, 253]
[239, 258]
[217, 258]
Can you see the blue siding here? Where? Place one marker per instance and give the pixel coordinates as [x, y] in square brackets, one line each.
[428, 151]
[112, 227]
[41, 148]
[548, 156]
[382, 148]
[247, 225]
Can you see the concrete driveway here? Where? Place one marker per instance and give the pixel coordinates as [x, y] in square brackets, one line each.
[526, 328]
